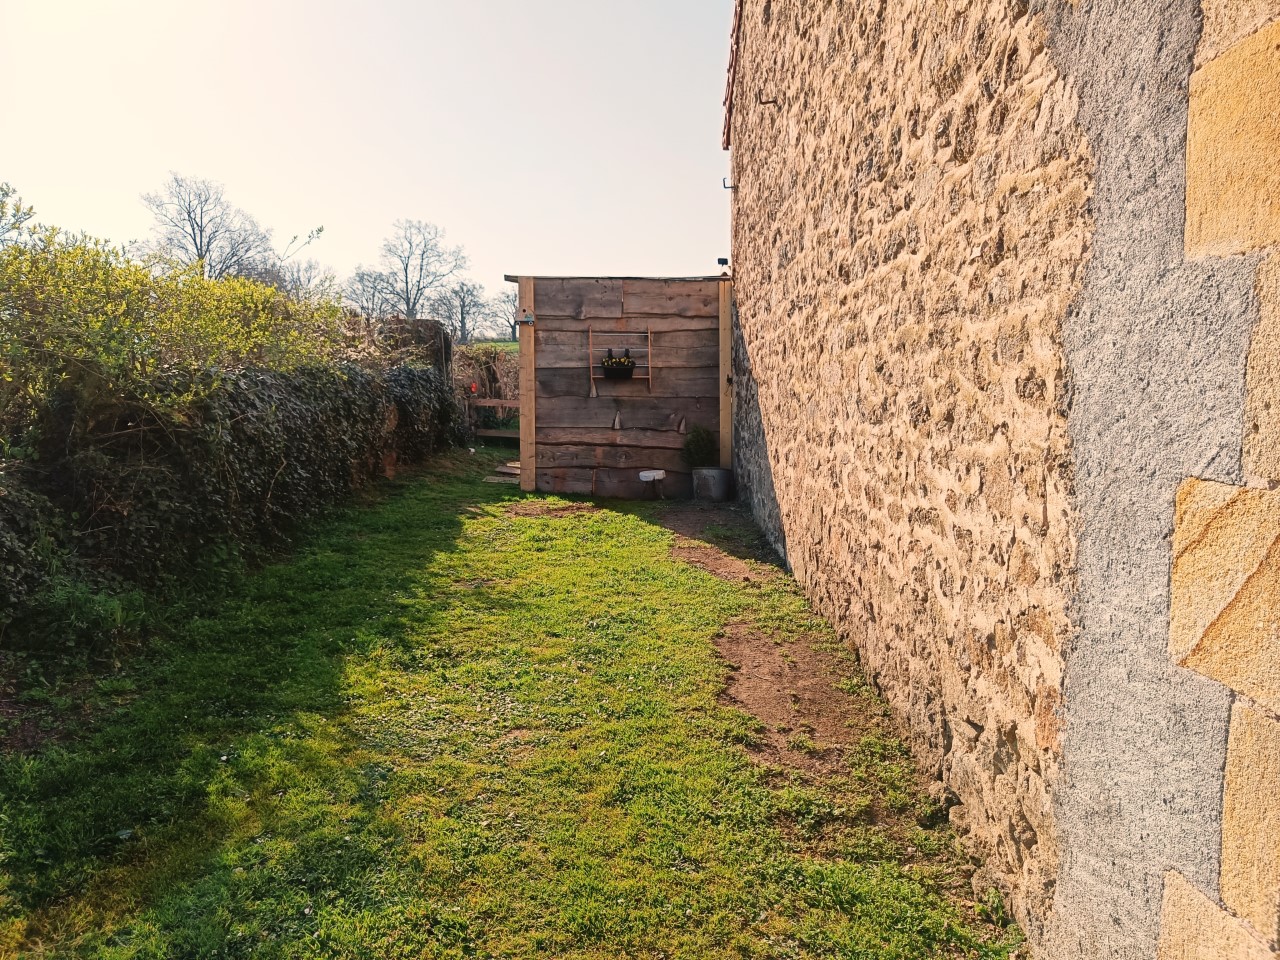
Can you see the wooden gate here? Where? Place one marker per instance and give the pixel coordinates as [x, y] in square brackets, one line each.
[583, 433]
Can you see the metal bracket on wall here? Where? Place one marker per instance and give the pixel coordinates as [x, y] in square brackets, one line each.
[727, 186]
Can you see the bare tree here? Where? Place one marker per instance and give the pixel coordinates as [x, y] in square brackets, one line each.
[195, 223]
[417, 264]
[13, 215]
[506, 309]
[462, 309]
[299, 279]
[367, 292]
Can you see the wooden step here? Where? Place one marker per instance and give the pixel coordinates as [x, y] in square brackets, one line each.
[501, 479]
[502, 434]
[508, 470]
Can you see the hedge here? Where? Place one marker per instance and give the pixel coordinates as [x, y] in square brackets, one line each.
[148, 499]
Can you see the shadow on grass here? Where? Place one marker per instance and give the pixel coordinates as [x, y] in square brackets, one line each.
[728, 527]
[444, 729]
[224, 712]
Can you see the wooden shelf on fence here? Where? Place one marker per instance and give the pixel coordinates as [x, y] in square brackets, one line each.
[503, 434]
[637, 342]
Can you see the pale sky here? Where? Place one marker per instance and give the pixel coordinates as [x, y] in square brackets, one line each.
[544, 136]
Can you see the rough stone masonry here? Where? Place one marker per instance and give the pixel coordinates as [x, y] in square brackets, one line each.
[1007, 377]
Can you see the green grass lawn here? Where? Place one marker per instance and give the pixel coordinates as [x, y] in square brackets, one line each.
[508, 346]
[441, 730]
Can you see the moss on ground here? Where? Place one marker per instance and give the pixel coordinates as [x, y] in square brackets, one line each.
[441, 730]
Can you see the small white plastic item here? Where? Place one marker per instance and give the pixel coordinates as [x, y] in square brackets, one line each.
[648, 476]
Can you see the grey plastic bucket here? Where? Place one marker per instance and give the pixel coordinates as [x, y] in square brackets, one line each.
[713, 485]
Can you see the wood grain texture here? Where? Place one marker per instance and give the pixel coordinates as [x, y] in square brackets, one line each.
[705, 335]
[595, 436]
[683, 384]
[580, 299]
[629, 458]
[658, 323]
[646, 413]
[528, 391]
[681, 358]
[680, 298]
[724, 355]
[619, 484]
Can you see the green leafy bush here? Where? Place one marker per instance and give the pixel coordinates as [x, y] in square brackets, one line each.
[166, 423]
[79, 317]
[243, 464]
[31, 541]
[700, 448]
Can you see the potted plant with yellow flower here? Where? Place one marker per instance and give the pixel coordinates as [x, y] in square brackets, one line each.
[618, 368]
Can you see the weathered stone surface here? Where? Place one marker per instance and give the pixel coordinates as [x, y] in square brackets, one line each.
[932, 196]
[1251, 822]
[1226, 22]
[1233, 139]
[1225, 619]
[1155, 348]
[910, 228]
[1262, 424]
[1193, 927]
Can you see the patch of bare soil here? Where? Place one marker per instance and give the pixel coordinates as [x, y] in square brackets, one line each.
[810, 723]
[791, 688]
[720, 540]
[541, 508]
[20, 727]
[714, 561]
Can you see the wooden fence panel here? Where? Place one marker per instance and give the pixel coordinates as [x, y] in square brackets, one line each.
[580, 299]
[595, 436]
[644, 413]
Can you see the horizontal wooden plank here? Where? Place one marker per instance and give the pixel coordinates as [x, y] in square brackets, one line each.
[578, 298]
[657, 324]
[498, 404]
[576, 481]
[676, 349]
[501, 434]
[645, 413]
[660, 439]
[549, 339]
[675, 383]
[687, 358]
[606, 483]
[681, 298]
[631, 458]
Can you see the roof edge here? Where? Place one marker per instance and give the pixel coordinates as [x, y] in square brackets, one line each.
[702, 278]
[726, 136]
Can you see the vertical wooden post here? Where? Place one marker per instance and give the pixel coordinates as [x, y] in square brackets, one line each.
[726, 374]
[528, 388]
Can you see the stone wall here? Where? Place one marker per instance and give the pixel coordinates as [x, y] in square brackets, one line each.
[1225, 580]
[910, 228]
[997, 271]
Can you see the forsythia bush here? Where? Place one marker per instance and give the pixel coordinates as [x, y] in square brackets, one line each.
[79, 310]
[155, 424]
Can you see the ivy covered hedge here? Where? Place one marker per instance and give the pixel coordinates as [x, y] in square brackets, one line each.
[159, 426]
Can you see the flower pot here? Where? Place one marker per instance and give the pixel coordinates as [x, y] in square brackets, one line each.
[713, 485]
[619, 373]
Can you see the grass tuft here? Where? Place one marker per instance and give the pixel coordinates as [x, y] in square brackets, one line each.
[444, 731]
